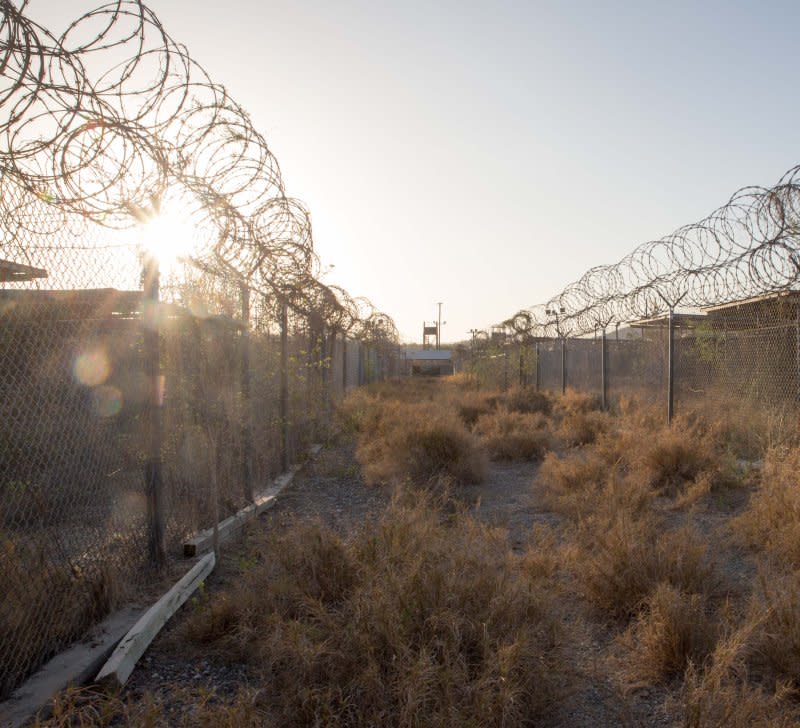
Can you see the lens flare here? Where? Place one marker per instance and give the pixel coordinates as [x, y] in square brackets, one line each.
[92, 367]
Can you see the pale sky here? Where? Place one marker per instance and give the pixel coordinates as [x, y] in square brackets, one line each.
[487, 154]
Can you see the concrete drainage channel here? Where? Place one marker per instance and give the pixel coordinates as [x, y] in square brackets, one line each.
[108, 654]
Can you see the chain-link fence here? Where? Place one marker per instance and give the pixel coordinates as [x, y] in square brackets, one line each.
[167, 345]
[741, 358]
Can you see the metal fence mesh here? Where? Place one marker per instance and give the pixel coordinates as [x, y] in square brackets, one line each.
[143, 394]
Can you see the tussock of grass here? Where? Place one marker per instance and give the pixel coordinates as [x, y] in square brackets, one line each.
[623, 557]
[771, 522]
[472, 405]
[569, 484]
[719, 694]
[527, 400]
[578, 428]
[419, 442]
[672, 631]
[420, 622]
[776, 640]
[513, 435]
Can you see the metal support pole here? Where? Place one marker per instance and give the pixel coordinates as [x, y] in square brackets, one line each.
[537, 365]
[344, 364]
[284, 396]
[153, 474]
[603, 372]
[563, 364]
[247, 435]
[670, 365]
[521, 365]
[505, 369]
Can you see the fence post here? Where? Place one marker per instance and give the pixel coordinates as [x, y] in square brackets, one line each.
[247, 435]
[603, 371]
[536, 345]
[284, 397]
[505, 368]
[563, 364]
[521, 365]
[153, 475]
[670, 364]
[361, 348]
[344, 364]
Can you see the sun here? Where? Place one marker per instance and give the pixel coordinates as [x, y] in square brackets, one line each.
[170, 237]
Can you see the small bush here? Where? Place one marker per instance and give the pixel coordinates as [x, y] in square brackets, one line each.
[573, 401]
[672, 630]
[718, 694]
[513, 435]
[581, 428]
[420, 442]
[527, 400]
[472, 405]
[772, 520]
[624, 556]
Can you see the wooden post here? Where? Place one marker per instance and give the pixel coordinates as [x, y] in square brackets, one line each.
[284, 385]
[247, 435]
[153, 475]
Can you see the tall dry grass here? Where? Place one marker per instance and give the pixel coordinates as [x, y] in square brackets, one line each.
[419, 620]
[419, 442]
[771, 523]
[509, 435]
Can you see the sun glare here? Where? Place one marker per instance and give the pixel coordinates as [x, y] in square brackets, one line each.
[170, 237]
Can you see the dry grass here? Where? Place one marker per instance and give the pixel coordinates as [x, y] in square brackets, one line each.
[419, 442]
[513, 435]
[719, 694]
[472, 405]
[775, 649]
[527, 400]
[71, 600]
[672, 630]
[170, 708]
[624, 556]
[417, 621]
[771, 522]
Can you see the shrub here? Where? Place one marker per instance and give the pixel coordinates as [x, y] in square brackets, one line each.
[581, 428]
[719, 695]
[420, 442]
[672, 630]
[472, 405]
[527, 400]
[624, 556]
[772, 520]
[513, 435]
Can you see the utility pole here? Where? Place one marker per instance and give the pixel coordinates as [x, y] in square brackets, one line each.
[439, 327]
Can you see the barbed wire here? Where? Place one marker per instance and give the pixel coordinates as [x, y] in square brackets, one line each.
[748, 247]
[112, 120]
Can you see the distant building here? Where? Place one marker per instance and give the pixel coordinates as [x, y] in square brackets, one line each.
[429, 362]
